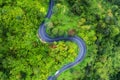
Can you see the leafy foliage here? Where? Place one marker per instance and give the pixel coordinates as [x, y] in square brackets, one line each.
[24, 57]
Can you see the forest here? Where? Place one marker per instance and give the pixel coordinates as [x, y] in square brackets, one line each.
[24, 57]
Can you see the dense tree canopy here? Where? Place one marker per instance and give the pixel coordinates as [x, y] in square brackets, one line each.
[24, 57]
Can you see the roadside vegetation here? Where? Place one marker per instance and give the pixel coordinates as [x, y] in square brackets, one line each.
[24, 57]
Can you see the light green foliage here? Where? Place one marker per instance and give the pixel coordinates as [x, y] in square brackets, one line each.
[24, 57]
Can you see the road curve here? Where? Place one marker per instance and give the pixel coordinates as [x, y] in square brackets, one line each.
[46, 38]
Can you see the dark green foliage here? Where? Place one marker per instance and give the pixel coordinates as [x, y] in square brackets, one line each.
[24, 57]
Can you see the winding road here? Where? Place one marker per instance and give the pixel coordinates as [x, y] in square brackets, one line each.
[46, 38]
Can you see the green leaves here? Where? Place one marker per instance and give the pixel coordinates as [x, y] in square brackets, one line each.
[24, 57]
[114, 31]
